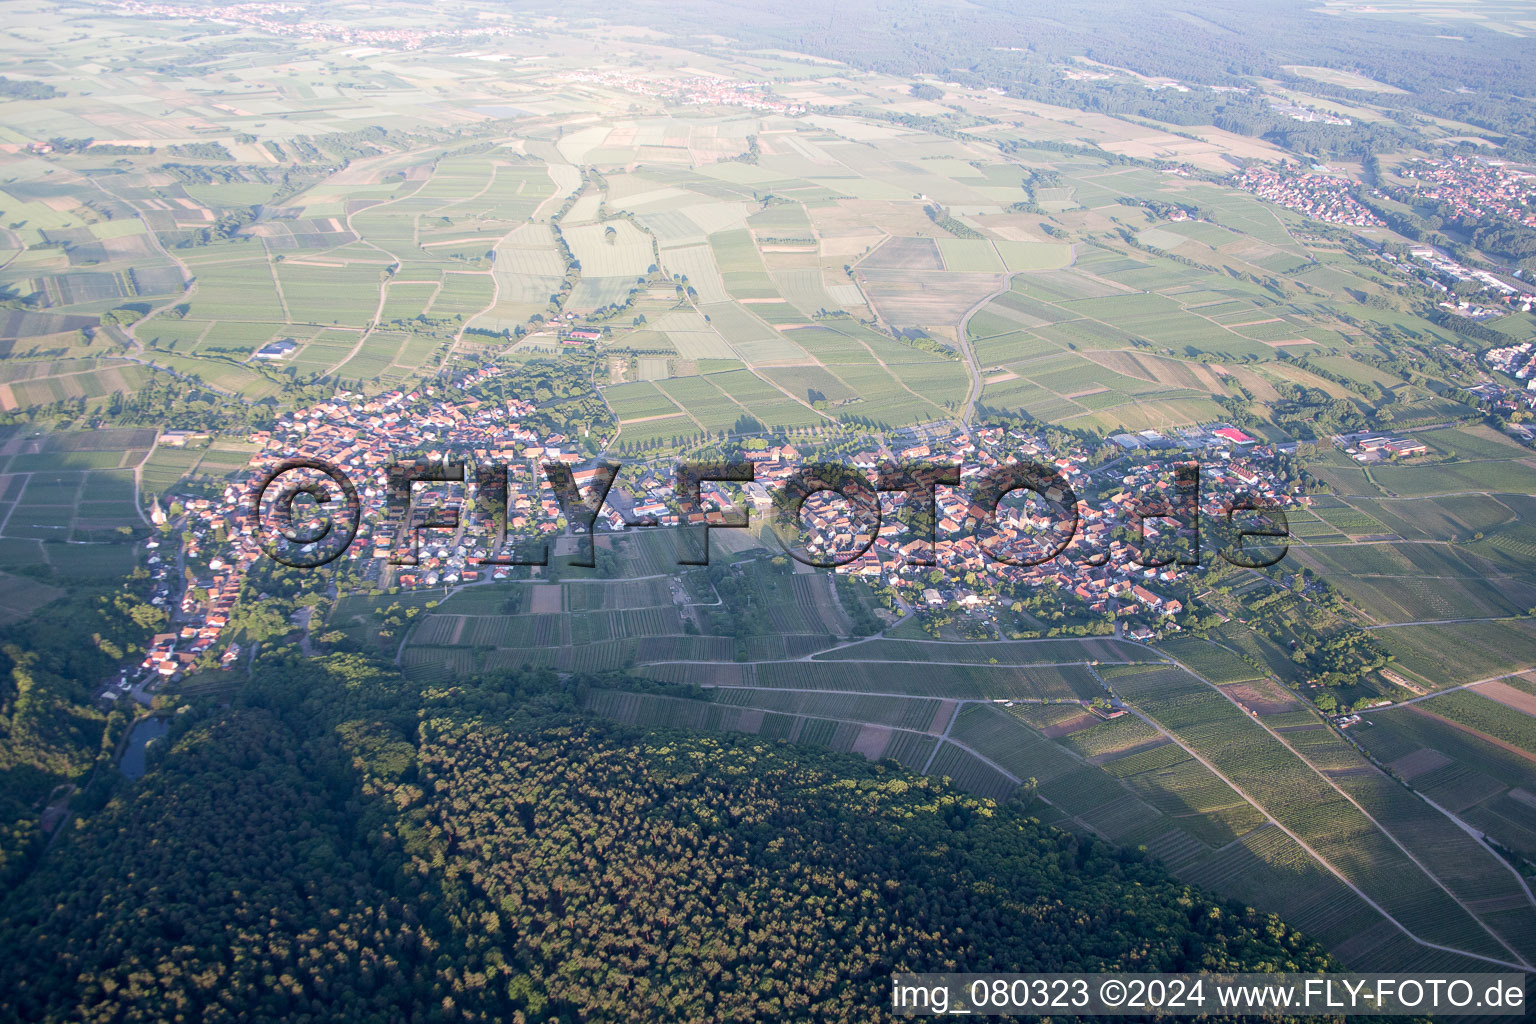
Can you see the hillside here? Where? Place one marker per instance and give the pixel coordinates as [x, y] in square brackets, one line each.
[337, 845]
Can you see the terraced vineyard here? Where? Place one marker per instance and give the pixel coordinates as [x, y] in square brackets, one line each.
[1191, 750]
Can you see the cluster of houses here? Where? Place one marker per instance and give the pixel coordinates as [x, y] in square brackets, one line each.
[362, 436]
[967, 534]
[1322, 197]
[171, 653]
[279, 19]
[1507, 402]
[1095, 567]
[359, 436]
[704, 90]
[1475, 186]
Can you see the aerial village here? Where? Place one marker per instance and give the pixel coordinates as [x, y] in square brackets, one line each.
[1478, 187]
[288, 19]
[1322, 197]
[707, 90]
[362, 436]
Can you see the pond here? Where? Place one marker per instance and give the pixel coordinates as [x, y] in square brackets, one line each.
[147, 729]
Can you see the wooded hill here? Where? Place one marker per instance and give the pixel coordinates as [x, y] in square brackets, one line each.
[340, 845]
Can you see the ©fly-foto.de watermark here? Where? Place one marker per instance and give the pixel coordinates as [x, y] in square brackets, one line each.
[305, 512]
[1192, 995]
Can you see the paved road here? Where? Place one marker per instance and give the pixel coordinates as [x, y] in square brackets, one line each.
[1442, 622]
[1449, 689]
[968, 352]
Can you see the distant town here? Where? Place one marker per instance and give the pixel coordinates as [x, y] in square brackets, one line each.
[1477, 187]
[693, 90]
[287, 19]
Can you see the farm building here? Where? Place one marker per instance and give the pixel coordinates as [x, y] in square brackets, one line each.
[276, 349]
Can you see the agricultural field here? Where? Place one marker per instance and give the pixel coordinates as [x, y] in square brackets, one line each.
[1270, 769]
[1409, 582]
[1471, 771]
[1455, 653]
[1069, 328]
[44, 382]
[72, 488]
[1187, 773]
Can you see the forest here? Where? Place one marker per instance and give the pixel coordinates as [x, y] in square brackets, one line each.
[52, 732]
[1477, 76]
[338, 843]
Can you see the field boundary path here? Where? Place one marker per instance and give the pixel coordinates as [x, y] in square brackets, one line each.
[1521, 965]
